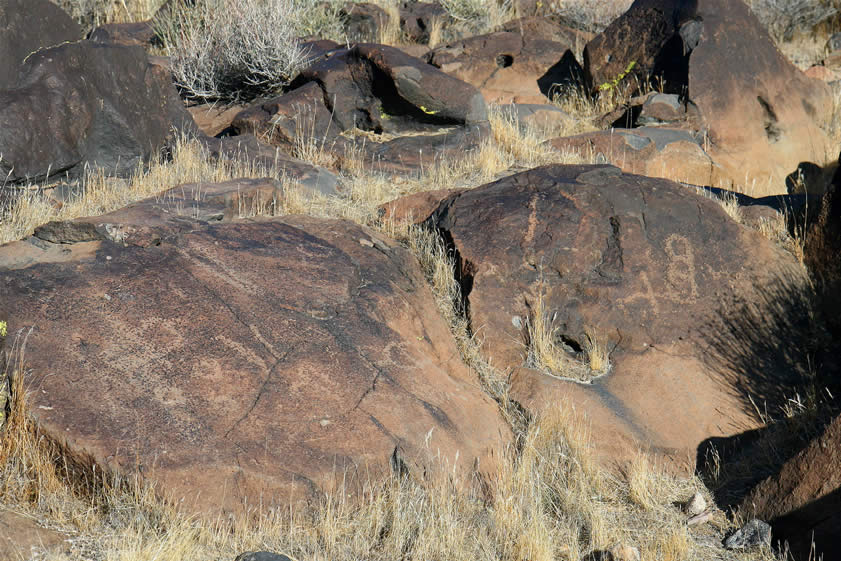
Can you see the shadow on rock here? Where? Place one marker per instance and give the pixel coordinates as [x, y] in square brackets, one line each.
[774, 354]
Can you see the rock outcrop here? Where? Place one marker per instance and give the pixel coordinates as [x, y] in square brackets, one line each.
[87, 104]
[762, 116]
[238, 363]
[414, 112]
[645, 266]
[803, 501]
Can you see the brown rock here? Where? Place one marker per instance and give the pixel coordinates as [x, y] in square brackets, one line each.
[417, 18]
[22, 538]
[505, 66]
[213, 119]
[762, 115]
[653, 151]
[140, 33]
[412, 112]
[803, 501]
[87, 104]
[27, 26]
[264, 158]
[644, 264]
[250, 362]
[415, 208]
[363, 21]
[296, 117]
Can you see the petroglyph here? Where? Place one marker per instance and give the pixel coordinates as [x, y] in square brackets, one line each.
[681, 269]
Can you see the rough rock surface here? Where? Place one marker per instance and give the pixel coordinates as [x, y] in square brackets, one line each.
[762, 115]
[803, 501]
[643, 263]
[515, 66]
[22, 538]
[668, 153]
[86, 104]
[247, 361]
[266, 159]
[25, 27]
[140, 33]
[412, 112]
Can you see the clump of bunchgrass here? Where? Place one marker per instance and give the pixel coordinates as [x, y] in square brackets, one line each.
[234, 50]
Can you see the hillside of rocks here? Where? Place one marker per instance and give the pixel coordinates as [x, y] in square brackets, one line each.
[668, 270]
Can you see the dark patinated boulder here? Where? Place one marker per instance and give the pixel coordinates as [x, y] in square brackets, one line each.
[761, 115]
[27, 26]
[87, 104]
[415, 112]
[802, 502]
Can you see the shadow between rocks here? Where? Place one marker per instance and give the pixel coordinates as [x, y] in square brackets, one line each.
[774, 354]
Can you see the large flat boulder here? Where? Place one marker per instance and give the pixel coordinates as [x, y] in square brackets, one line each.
[86, 104]
[645, 267]
[762, 115]
[242, 362]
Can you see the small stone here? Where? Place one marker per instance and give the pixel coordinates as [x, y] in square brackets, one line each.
[755, 532]
[625, 552]
[834, 43]
[696, 505]
[262, 556]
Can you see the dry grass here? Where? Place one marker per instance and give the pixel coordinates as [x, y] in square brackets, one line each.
[91, 13]
[545, 352]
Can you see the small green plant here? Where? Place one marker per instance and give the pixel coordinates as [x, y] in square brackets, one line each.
[3, 329]
[615, 82]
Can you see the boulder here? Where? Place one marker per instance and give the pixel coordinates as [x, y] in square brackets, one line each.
[22, 538]
[412, 112]
[505, 66]
[667, 153]
[822, 244]
[212, 119]
[363, 21]
[243, 363]
[140, 33]
[27, 26]
[87, 104]
[247, 150]
[803, 501]
[761, 114]
[417, 19]
[647, 269]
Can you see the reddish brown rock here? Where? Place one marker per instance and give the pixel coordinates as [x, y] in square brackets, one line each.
[214, 119]
[644, 264]
[415, 208]
[296, 117]
[22, 538]
[412, 112]
[248, 362]
[803, 501]
[761, 114]
[505, 66]
[87, 104]
[417, 19]
[653, 151]
[363, 21]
